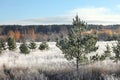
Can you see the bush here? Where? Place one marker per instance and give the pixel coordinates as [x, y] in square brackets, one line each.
[32, 45]
[24, 48]
[43, 46]
[11, 43]
[3, 44]
[0, 46]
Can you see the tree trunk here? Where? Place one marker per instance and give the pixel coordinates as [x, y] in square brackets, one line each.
[77, 68]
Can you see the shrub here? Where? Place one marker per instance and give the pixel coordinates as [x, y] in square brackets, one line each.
[3, 44]
[116, 50]
[43, 46]
[0, 46]
[11, 43]
[32, 45]
[24, 48]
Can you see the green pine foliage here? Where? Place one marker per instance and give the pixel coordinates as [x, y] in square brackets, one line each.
[24, 48]
[116, 50]
[44, 46]
[1, 46]
[107, 52]
[104, 56]
[77, 45]
[96, 58]
[32, 45]
[11, 43]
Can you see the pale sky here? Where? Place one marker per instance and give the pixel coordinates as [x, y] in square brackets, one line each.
[30, 12]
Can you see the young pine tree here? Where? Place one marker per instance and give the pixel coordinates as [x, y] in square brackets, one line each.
[116, 50]
[96, 57]
[106, 54]
[32, 45]
[107, 51]
[24, 48]
[77, 45]
[44, 46]
[1, 49]
[2, 45]
[11, 43]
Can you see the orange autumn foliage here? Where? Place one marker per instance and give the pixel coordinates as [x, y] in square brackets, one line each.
[107, 31]
[31, 33]
[17, 35]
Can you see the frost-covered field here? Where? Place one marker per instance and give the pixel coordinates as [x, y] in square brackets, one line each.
[51, 59]
[51, 65]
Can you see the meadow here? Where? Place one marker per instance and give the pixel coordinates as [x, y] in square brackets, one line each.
[51, 65]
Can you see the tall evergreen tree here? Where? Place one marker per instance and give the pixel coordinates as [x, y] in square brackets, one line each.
[77, 45]
[11, 43]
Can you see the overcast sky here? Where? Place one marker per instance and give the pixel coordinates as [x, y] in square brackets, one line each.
[29, 12]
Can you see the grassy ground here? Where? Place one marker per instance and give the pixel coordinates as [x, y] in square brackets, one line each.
[87, 72]
[51, 65]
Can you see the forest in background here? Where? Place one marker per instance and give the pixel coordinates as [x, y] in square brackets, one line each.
[53, 32]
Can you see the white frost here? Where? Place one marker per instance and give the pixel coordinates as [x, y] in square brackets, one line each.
[52, 58]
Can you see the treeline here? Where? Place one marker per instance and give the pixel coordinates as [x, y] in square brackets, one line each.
[34, 32]
[52, 32]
